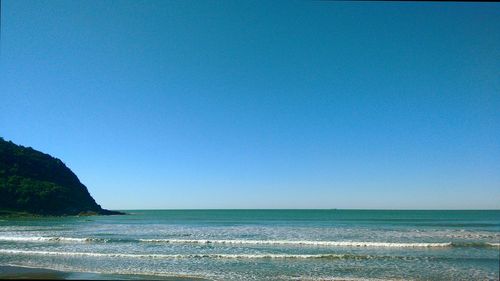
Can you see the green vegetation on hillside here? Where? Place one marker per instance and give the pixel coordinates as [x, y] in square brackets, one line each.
[37, 183]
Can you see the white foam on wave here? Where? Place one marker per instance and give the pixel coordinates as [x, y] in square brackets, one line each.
[253, 242]
[307, 242]
[46, 239]
[173, 256]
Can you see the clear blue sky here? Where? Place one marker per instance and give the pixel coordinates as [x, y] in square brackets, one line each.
[227, 104]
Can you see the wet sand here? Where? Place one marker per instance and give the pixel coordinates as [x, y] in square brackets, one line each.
[17, 272]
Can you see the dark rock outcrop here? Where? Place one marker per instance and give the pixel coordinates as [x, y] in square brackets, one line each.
[37, 183]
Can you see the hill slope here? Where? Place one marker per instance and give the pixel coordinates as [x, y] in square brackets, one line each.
[37, 183]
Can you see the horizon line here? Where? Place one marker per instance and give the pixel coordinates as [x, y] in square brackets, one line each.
[297, 209]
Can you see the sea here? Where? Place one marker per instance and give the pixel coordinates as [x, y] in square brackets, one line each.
[262, 244]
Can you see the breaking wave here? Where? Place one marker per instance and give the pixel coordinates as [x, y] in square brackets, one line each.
[307, 242]
[181, 256]
[50, 239]
[255, 242]
[216, 256]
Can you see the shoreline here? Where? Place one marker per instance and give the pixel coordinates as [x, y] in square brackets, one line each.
[22, 272]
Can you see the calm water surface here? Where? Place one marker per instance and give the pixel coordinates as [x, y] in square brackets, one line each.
[263, 244]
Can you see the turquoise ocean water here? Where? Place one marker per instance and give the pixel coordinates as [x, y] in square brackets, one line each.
[263, 244]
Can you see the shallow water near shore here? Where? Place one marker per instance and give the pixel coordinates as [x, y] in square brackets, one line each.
[19, 272]
[260, 244]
